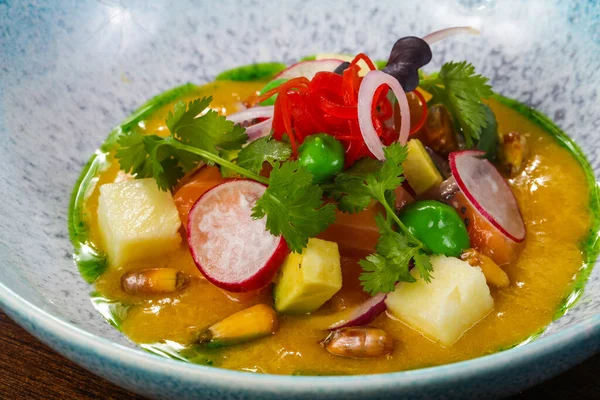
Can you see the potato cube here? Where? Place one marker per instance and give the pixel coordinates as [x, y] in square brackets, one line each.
[137, 221]
[456, 299]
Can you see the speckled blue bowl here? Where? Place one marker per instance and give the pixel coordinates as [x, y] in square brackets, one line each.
[70, 71]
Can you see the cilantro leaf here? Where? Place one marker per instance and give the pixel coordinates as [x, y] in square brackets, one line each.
[460, 89]
[264, 149]
[193, 138]
[350, 189]
[211, 132]
[145, 157]
[182, 118]
[369, 179]
[423, 265]
[391, 262]
[354, 190]
[293, 205]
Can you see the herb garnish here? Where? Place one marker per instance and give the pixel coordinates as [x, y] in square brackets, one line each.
[354, 189]
[460, 90]
[292, 204]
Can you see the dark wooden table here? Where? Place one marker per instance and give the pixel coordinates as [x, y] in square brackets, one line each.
[31, 370]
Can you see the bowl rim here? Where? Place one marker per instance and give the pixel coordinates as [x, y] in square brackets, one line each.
[138, 359]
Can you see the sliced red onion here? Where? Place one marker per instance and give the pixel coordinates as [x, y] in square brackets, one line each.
[444, 33]
[364, 313]
[371, 82]
[252, 113]
[259, 130]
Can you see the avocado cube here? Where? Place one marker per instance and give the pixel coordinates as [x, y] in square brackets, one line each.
[419, 169]
[306, 281]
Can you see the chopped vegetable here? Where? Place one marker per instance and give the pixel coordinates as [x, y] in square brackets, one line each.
[444, 33]
[136, 221]
[485, 237]
[489, 193]
[513, 152]
[359, 342]
[438, 226]
[232, 250]
[328, 103]
[367, 97]
[447, 307]
[407, 56]
[308, 280]
[243, 326]
[356, 234]
[154, 281]
[297, 213]
[461, 90]
[354, 189]
[494, 275]
[265, 149]
[419, 169]
[199, 183]
[293, 205]
[322, 156]
[364, 313]
[308, 69]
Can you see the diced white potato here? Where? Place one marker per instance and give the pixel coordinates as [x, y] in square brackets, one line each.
[137, 221]
[308, 280]
[456, 299]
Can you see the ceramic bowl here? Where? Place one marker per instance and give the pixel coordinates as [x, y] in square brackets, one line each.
[70, 71]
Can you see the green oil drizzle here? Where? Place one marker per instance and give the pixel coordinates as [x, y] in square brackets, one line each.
[114, 312]
[252, 72]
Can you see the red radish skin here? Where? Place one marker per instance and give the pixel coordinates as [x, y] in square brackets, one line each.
[503, 214]
[364, 313]
[309, 69]
[233, 251]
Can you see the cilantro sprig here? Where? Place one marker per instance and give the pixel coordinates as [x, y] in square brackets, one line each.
[267, 149]
[292, 204]
[460, 90]
[354, 189]
[191, 139]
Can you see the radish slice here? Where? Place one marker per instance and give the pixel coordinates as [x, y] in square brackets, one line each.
[369, 85]
[364, 313]
[259, 130]
[488, 192]
[444, 33]
[309, 69]
[252, 113]
[232, 250]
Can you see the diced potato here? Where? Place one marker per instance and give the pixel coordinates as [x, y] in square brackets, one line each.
[456, 299]
[419, 170]
[309, 279]
[137, 221]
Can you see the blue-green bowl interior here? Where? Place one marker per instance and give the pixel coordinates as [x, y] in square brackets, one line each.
[71, 71]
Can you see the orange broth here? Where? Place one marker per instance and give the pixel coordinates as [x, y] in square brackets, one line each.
[552, 192]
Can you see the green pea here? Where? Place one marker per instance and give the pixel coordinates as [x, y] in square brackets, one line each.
[322, 155]
[438, 226]
[271, 85]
